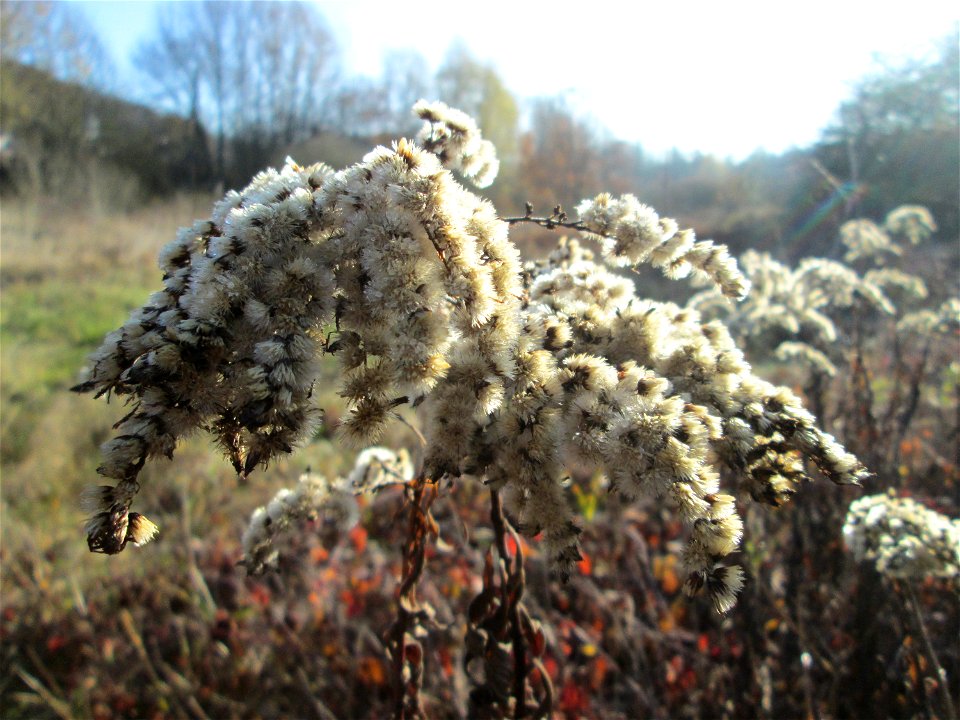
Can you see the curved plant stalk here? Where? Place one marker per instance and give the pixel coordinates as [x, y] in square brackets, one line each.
[405, 650]
[942, 682]
[502, 637]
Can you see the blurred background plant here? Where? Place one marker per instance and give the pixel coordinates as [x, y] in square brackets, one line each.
[93, 185]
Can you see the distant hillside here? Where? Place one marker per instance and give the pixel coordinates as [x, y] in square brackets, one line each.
[336, 150]
[59, 137]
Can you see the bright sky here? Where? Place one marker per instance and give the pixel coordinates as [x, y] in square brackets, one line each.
[725, 78]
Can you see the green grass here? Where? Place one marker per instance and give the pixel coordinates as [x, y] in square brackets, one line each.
[68, 278]
[47, 330]
[67, 281]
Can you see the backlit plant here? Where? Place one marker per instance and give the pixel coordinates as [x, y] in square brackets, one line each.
[517, 372]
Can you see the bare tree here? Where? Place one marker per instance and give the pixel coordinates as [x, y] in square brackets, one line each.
[368, 107]
[406, 79]
[257, 74]
[55, 37]
[561, 152]
[172, 64]
[466, 82]
[476, 87]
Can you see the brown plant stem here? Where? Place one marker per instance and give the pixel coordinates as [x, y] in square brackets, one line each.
[941, 674]
[912, 401]
[514, 586]
[421, 493]
[525, 636]
[558, 219]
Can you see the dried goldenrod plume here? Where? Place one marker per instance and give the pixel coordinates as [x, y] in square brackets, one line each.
[632, 233]
[806, 355]
[793, 312]
[903, 538]
[914, 222]
[315, 497]
[945, 320]
[517, 371]
[903, 283]
[799, 313]
[652, 395]
[865, 239]
[454, 138]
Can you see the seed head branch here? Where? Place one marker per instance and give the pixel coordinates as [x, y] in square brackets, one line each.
[517, 371]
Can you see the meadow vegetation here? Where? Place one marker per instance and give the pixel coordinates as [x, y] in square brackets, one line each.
[850, 595]
[180, 629]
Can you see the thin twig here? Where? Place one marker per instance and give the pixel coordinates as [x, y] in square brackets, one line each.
[514, 577]
[322, 711]
[60, 707]
[42, 669]
[127, 622]
[518, 621]
[421, 526]
[941, 674]
[558, 219]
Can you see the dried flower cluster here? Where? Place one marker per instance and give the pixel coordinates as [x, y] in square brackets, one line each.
[411, 282]
[944, 320]
[865, 239]
[903, 538]
[798, 312]
[798, 305]
[315, 497]
[632, 233]
[454, 138]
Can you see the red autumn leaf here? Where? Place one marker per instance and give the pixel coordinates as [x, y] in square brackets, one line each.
[413, 653]
[573, 698]
[598, 671]
[358, 536]
[538, 642]
[260, 595]
[674, 667]
[354, 603]
[371, 671]
[586, 564]
[446, 661]
[703, 643]
[124, 703]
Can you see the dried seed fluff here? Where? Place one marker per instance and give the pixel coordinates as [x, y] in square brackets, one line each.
[411, 282]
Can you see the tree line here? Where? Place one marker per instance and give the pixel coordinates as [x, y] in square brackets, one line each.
[255, 81]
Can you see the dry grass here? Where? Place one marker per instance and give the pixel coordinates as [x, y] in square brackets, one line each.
[67, 279]
[177, 630]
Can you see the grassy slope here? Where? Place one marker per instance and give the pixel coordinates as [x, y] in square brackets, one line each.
[67, 280]
[74, 625]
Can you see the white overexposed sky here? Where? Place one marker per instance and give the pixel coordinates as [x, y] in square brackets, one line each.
[725, 78]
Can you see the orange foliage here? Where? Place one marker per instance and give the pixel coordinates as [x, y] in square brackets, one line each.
[371, 671]
[358, 536]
